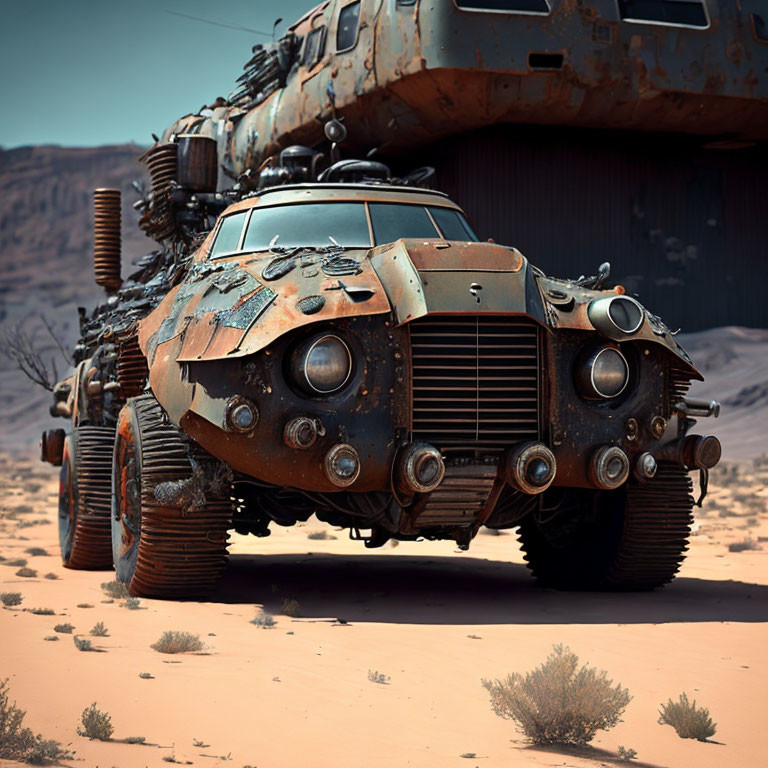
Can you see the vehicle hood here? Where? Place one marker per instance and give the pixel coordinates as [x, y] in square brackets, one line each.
[234, 307]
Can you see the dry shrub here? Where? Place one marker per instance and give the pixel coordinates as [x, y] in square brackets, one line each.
[43, 611]
[689, 721]
[746, 545]
[96, 724]
[64, 628]
[36, 552]
[115, 589]
[559, 703]
[378, 677]
[178, 642]
[291, 607]
[19, 743]
[264, 620]
[99, 630]
[11, 598]
[28, 573]
[82, 643]
[131, 603]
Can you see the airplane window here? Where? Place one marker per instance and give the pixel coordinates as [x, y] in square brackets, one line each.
[314, 48]
[525, 6]
[689, 12]
[346, 34]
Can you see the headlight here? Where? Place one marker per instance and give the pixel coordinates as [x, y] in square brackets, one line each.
[616, 316]
[322, 365]
[603, 374]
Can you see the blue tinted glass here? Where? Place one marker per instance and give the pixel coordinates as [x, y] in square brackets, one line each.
[229, 234]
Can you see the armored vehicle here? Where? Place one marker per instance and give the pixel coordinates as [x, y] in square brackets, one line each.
[342, 344]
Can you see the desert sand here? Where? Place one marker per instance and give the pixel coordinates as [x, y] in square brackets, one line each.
[435, 621]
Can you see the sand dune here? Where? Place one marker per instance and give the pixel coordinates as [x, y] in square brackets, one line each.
[435, 621]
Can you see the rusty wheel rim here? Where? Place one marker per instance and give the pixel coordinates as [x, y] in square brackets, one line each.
[126, 498]
[67, 502]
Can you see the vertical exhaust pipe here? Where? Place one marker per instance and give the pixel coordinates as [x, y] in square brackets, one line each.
[106, 238]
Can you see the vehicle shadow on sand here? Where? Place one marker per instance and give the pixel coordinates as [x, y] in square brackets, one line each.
[468, 590]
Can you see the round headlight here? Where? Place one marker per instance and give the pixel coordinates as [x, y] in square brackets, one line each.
[324, 365]
[616, 316]
[603, 375]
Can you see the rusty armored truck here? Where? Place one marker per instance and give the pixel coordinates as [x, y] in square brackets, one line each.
[345, 347]
[323, 336]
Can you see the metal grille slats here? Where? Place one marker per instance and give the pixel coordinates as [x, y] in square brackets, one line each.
[475, 381]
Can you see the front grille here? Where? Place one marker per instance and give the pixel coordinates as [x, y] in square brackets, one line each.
[475, 382]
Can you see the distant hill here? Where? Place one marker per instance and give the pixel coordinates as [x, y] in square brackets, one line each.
[46, 253]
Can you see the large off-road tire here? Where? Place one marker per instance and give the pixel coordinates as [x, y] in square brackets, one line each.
[169, 541]
[85, 488]
[633, 538]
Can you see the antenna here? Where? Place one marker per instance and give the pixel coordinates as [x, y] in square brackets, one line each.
[226, 26]
[274, 27]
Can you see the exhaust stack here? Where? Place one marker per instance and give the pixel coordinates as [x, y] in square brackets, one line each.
[106, 238]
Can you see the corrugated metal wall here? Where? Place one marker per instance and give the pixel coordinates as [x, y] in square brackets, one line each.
[684, 227]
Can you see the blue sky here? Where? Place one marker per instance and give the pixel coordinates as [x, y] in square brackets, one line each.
[84, 73]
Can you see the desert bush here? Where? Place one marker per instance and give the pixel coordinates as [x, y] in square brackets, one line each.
[36, 552]
[99, 630]
[178, 642]
[627, 754]
[65, 629]
[82, 643]
[135, 740]
[51, 638]
[28, 573]
[11, 598]
[559, 703]
[19, 562]
[264, 620]
[377, 677]
[43, 611]
[20, 743]
[689, 721]
[318, 535]
[115, 589]
[131, 603]
[291, 607]
[95, 724]
[51, 576]
[84, 605]
[146, 676]
[744, 545]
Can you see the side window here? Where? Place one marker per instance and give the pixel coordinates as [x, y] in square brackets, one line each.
[228, 237]
[314, 48]
[452, 224]
[346, 32]
[688, 12]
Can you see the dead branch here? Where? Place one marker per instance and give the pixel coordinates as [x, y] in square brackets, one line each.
[55, 338]
[20, 348]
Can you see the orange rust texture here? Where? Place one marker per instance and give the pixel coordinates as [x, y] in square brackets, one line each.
[438, 255]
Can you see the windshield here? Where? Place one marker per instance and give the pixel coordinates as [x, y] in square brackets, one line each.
[318, 225]
[308, 224]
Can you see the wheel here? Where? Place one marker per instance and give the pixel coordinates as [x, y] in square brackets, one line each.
[168, 539]
[85, 488]
[633, 538]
